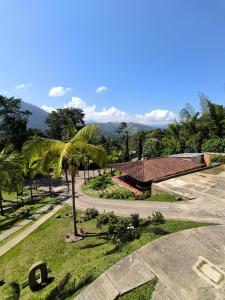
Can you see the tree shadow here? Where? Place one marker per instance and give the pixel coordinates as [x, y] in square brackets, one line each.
[91, 246]
[90, 234]
[159, 231]
[116, 249]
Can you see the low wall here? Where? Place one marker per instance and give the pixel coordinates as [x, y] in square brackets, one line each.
[126, 185]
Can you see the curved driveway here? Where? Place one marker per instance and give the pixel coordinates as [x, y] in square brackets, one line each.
[205, 208]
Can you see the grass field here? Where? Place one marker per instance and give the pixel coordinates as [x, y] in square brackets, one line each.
[114, 188]
[143, 292]
[16, 216]
[92, 255]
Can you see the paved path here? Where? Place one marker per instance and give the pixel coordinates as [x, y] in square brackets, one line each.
[22, 235]
[62, 190]
[206, 208]
[15, 228]
[189, 265]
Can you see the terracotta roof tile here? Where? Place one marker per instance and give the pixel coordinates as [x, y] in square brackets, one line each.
[151, 169]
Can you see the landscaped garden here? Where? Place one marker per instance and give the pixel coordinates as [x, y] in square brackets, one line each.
[22, 211]
[107, 240]
[103, 187]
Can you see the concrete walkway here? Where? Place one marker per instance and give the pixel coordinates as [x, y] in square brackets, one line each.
[15, 228]
[22, 235]
[206, 208]
[189, 265]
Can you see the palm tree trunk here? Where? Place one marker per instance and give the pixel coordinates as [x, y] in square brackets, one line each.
[1, 205]
[73, 176]
[36, 185]
[50, 184]
[88, 169]
[31, 191]
[67, 181]
[84, 176]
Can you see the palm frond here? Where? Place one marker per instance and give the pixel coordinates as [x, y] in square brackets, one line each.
[88, 133]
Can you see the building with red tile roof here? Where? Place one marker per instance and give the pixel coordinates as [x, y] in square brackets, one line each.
[142, 173]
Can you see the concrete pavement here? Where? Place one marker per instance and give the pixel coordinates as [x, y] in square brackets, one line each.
[206, 208]
[173, 260]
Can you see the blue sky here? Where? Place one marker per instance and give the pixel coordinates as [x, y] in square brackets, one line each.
[149, 57]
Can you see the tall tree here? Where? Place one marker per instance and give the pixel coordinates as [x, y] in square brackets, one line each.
[152, 148]
[13, 122]
[71, 152]
[10, 173]
[123, 131]
[62, 120]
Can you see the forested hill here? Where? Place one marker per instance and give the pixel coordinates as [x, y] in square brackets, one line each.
[38, 118]
[111, 128]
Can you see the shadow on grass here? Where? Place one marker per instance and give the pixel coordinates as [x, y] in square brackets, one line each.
[90, 246]
[67, 288]
[92, 234]
[116, 249]
[42, 286]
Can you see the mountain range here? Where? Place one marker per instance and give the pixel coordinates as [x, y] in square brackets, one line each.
[39, 116]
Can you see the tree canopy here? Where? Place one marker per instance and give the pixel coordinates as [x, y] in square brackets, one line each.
[61, 120]
[13, 122]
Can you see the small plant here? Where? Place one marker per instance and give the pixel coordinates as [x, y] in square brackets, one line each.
[106, 218]
[121, 233]
[101, 183]
[90, 214]
[158, 231]
[145, 196]
[135, 220]
[157, 218]
[117, 195]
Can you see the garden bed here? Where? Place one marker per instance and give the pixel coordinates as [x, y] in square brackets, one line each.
[91, 256]
[103, 187]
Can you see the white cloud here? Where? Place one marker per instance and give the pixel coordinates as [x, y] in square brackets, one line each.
[57, 91]
[113, 114]
[157, 116]
[23, 86]
[20, 86]
[49, 109]
[4, 92]
[101, 89]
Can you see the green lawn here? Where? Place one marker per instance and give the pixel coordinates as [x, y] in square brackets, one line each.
[90, 256]
[9, 196]
[112, 190]
[143, 292]
[15, 217]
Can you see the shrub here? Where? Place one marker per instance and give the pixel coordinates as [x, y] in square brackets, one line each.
[121, 232]
[157, 218]
[101, 182]
[106, 218]
[117, 195]
[218, 158]
[214, 145]
[158, 231]
[135, 220]
[90, 214]
[145, 196]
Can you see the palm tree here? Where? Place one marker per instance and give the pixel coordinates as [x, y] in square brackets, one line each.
[10, 173]
[31, 164]
[73, 153]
